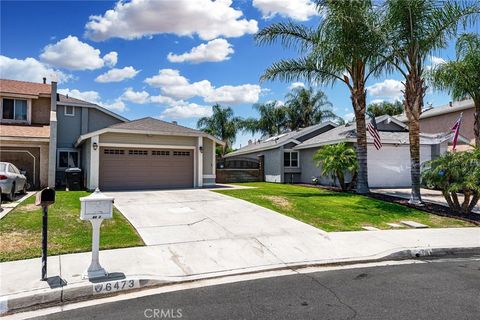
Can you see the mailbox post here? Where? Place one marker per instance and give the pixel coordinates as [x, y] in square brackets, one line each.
[95, 208]
[43, 199]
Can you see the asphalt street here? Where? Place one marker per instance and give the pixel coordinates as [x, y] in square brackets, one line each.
[435, 290]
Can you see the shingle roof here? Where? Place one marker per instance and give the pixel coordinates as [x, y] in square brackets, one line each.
[455, 107]
[24, 87]
[30, 131]
[276, 141]
[348, 133]
[66, 99]
[152, 124]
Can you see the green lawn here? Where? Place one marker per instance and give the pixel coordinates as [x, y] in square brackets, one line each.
[21, 229]
[334, 211]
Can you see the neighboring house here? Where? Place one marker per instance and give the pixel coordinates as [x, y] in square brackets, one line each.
[281, 162]
[44, 133]
[148, 154]
[27, 126]
[442, 119]
[387, 167]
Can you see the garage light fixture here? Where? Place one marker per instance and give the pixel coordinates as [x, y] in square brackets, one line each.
[201, 149]
[95, 146]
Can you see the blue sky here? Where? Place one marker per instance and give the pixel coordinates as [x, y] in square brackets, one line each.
[120, 59]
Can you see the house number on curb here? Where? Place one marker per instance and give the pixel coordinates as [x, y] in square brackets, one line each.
[114, 286]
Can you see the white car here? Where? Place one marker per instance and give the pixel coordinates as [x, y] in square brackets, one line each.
[12, 181]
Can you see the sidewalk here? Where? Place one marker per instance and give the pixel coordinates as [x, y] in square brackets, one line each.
[20, 286]
[428, 195]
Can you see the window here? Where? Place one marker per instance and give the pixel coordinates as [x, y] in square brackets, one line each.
[113, 151]
[160, 153]
[69, 111]
[68, 159]
[13, 109]
[290, 159]
[181, 153]
[138, 152]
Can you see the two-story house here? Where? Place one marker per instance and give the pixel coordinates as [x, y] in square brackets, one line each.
[44, 133]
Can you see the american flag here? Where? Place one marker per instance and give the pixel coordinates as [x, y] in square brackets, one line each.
[456, 131]
[372, 128]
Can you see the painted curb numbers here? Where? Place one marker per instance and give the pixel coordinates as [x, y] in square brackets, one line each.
[114, 286]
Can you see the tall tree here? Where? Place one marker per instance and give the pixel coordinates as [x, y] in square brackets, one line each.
[382, 108]
[416, 28]
[462, 77]
[221, 124]
[346, 47]
[272, 120]
[306, 107]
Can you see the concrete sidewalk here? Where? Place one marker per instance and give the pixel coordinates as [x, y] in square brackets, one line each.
[433, 196]
[172, 263]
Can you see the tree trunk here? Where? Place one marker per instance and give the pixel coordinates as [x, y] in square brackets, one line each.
[473, 203]
[341, 180]
[476, 126]
[359, 105]
[413, 104]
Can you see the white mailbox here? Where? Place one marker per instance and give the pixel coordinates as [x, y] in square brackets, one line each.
[95, 208]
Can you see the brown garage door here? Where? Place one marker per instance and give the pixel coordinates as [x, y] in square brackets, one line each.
[130, 169]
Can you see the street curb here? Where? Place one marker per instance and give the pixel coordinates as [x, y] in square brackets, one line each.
[85, 291]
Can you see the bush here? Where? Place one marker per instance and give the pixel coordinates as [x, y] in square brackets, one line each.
[453, 173]
[336, 160]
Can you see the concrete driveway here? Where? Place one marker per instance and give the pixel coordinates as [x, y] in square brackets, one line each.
[180, 216]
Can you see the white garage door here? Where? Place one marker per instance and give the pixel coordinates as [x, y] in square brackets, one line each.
[389, 167]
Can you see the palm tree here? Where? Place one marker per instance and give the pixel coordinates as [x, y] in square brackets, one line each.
[415, 29]
[336, 160]
[346, 47]
[380, 109]
[305, 107]
[272, 121]
[221, 124]
[462, 77]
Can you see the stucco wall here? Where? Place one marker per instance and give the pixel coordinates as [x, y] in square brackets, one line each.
[208, 156]
[274, 165]
[444, 122]
[41, 111]
[309, 168]
[143, 139]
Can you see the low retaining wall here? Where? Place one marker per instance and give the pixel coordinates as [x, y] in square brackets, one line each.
[238, 175]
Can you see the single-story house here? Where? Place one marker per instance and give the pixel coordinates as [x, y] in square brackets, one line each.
[292, 162]
[148, 154]
[275, 152]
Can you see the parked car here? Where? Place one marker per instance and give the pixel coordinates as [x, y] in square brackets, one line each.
[12, 181]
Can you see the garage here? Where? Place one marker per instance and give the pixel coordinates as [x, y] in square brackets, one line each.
[142, 168]
[25, 159]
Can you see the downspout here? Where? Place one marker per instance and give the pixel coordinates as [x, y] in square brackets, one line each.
[52, 147]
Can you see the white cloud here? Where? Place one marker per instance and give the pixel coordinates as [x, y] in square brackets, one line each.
[29, 69]
[246, 93]
[296, 9]
[94, 97]
[117, 75]
[437, 60]
[71, 53]
[212, 51]
[139, 18]
[186, 110]
[111, 59]
[374, 101]
[296, 85]
[389, 89]
[348, 117]
[139, 97]
[117, 106]
[89, 96]
[176, 86]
